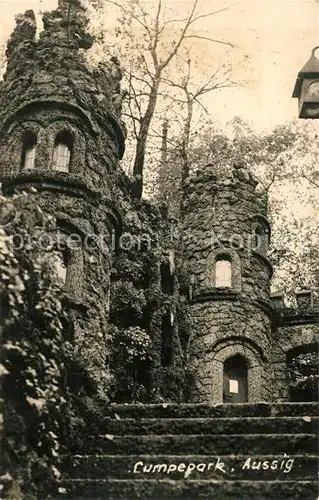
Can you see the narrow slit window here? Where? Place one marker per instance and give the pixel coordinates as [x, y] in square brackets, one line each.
[223, 271]
[62, 152]
[59, 264]
[259, 238]
[167, 279]
[235, 381]
[29, 151]
[167, 340]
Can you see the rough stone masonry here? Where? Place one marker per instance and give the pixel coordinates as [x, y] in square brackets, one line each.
[239, 338]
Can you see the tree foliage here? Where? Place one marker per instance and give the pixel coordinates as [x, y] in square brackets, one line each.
[304, 376]
[285, 163]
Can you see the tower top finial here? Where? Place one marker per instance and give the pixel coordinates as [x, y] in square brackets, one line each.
[68, 23]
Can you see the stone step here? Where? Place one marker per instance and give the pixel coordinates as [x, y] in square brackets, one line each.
[222, 444]
[166, 410]
[261, 467]
[237, 425]
[154, 489]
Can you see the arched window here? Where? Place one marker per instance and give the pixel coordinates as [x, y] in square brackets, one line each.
[260, 235]
[62, 151]
[28, 151]
[260, 238]
[223, 270]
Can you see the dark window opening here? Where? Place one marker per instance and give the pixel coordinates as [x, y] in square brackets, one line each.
[303, 373]
[167, 279]
[167, 339]
[235, 380]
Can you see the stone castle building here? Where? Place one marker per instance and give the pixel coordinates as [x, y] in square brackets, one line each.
[62, 134]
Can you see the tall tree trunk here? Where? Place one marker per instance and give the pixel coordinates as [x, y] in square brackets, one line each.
[137, 187]
[186, 137]
[162, 171]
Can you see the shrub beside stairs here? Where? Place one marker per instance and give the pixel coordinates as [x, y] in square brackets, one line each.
[188, 451]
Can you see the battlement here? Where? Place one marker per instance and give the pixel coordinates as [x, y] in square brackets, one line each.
[53, 67]
[225, 179]
[305, 306]
[237, 172]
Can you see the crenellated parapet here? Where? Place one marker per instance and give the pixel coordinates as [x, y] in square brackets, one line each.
[61, 139]
[51, 72]
[296, 331]
[305, 309]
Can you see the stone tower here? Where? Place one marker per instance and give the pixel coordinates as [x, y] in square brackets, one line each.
[61, 137]
[226, 234]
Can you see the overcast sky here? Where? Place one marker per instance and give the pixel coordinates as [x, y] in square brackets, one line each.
[277, 34]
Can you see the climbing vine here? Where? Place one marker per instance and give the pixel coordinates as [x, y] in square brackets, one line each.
[32, 361]
[303, 372]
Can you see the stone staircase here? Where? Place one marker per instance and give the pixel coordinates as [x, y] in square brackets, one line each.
[167, 451]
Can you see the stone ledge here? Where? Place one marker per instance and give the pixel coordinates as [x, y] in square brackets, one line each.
[184, 410]
[189, 490]
[236, 425]
[232, 467]
[216, 294]
[198, 443]
[63, 183]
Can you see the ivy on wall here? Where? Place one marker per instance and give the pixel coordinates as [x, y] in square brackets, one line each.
[32, 361]
[41, 414]
[139, 302]
[48, 397]
[303, 372]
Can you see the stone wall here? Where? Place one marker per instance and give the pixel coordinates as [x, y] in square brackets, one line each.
[223, 328]
[295, 334]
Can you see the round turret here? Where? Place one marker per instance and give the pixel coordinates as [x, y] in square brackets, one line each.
[62, 138]
[226, 235]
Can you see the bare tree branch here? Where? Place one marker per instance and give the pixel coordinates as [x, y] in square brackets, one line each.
[201, 37]
[145, 83]
[201, 16]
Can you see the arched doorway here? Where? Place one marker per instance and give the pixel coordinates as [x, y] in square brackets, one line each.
[235, 380]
